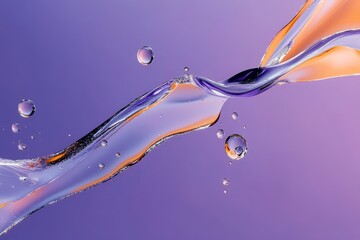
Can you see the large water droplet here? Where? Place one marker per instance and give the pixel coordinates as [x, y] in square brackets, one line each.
[15, 127]
[220, 133]
[145, 55]
[26, 108]
[236, 146]
[226, 182]
[22, 146]
[234, 115]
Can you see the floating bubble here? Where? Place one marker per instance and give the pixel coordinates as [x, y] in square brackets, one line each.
[220, 133]
[117, 154]
[101, 165]
[145, 55]
[104, 143]
[234, 115]
[186, 69]
[236, 146]
[22, 146]
[15, 127]
[226, 182]
[32, 137]
[26, 108]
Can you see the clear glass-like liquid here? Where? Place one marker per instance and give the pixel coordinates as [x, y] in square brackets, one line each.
[324, 33]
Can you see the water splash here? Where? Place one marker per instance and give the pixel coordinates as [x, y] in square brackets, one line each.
[323, 32]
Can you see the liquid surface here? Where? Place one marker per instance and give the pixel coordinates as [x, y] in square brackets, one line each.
[322, 33]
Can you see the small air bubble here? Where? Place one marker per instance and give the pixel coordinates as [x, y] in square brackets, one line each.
[104, 143]
[22, 146]
[145, 55]
[22, 178]
[234, 115]
[220, 133]
[15, 127]
[26, 108]
[226, 182]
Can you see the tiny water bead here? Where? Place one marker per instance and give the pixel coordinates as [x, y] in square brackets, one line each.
[234, 115]
[145, 55]
[236, 146]
[226, 182]
[117, 154]
[101, 165]
[15, 127]
[104, 143]
[186, 69]
[22, 178]
[220, 133]
[21, 146]
[26, 108]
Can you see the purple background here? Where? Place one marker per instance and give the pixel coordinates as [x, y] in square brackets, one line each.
[77, 61]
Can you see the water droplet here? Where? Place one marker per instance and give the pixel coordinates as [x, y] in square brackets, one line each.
[234, 115]
[22, 146]
[145, 55]
[104, 143]
[32, 137]
[186, 69]
[69, 134]
[101, 165]
[226, 182]
[220, 133]
[230, 162]
[15, 127]
[22, 178]
[161, 115]
[117, 154]
[236, 146]
[225, 191]
[244, 127]
[26, 108]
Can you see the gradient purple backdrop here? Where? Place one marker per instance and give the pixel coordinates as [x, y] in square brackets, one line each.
[77, 61]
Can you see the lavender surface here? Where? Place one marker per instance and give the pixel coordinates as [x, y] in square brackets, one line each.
[77, 61]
